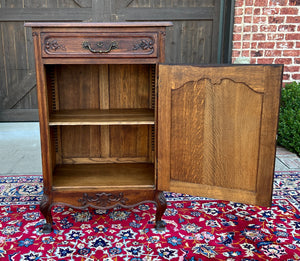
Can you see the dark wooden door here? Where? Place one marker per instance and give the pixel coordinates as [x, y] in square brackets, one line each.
[18, 99]
[194, 39]
[217, 131]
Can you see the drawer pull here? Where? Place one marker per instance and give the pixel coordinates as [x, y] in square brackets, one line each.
[111, 46]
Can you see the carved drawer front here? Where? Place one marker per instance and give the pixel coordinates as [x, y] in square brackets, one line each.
[90, 45]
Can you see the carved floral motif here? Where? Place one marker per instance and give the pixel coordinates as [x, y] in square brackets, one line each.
[103, 199]
[144, 45]
[54, 45]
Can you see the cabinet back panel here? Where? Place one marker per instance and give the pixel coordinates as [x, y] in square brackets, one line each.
[129, 141]
[84, 144]
[80, 141]
[102, 87]
[83, 87]
[78, 87]
[129, 86]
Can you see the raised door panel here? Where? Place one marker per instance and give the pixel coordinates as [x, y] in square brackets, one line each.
[217, 131]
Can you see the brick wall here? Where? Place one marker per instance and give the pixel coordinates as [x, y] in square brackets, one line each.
[268, 32]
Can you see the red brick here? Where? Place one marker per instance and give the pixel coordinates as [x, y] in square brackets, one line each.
[293, 53]
[298, 29]
[238, 11]
[297, 44]
[296, 76]
[284, 45]
[236, 53]
[286, 76]
[283, 60]
[236, 45]
[292, 68]
[238, 20]
[248, 10]
[246, 37]
[292, 36]
[287, 28]
[239, 3]
[253, 45]
[276, 19]
[265, 45]
[265, 60]
[260, 37]
[293, 19]
[278, 2]
[247, 29]
[261, 3]
[268, 28]
[237, 29]
[248, 2]
[254, 28]
[246, 45]
[270, 11]
[273, 53]
[275, 37]
[246, 53]
[237, 37]
[257, 53]
[247, 19]
[297, 60]
[256, 11]
[259, 19]
[291, 11]
[253, 60]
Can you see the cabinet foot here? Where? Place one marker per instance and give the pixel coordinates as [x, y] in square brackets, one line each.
[47, 228]
[45, 208]
[161, 204]
[160, 225]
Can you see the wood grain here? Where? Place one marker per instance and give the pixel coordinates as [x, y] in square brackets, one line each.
[187, 133]
[223, 143]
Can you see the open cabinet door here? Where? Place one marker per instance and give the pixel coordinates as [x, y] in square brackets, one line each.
[217, 131]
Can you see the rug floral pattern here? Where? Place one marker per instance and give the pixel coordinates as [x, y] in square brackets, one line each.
[197, 228]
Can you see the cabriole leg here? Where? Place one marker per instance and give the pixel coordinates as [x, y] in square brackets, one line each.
[161, 204]
[45, 208]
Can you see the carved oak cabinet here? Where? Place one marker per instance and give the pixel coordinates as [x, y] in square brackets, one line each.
[118, 127]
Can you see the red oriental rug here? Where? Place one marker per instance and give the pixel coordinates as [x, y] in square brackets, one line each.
[197, 228]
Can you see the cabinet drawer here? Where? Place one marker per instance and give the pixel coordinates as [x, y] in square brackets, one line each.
[119, 45]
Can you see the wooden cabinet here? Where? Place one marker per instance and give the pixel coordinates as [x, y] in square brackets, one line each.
[118, 128]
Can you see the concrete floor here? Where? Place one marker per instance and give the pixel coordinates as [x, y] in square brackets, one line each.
[20, 151]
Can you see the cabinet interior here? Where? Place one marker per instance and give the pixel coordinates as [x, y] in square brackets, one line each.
[102, 125]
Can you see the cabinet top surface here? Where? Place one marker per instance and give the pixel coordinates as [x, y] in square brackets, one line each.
[116, 24]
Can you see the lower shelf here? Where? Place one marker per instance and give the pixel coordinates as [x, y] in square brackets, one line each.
[104, 176]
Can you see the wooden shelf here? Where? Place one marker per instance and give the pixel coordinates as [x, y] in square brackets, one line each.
[104, 176]
[102, 117]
